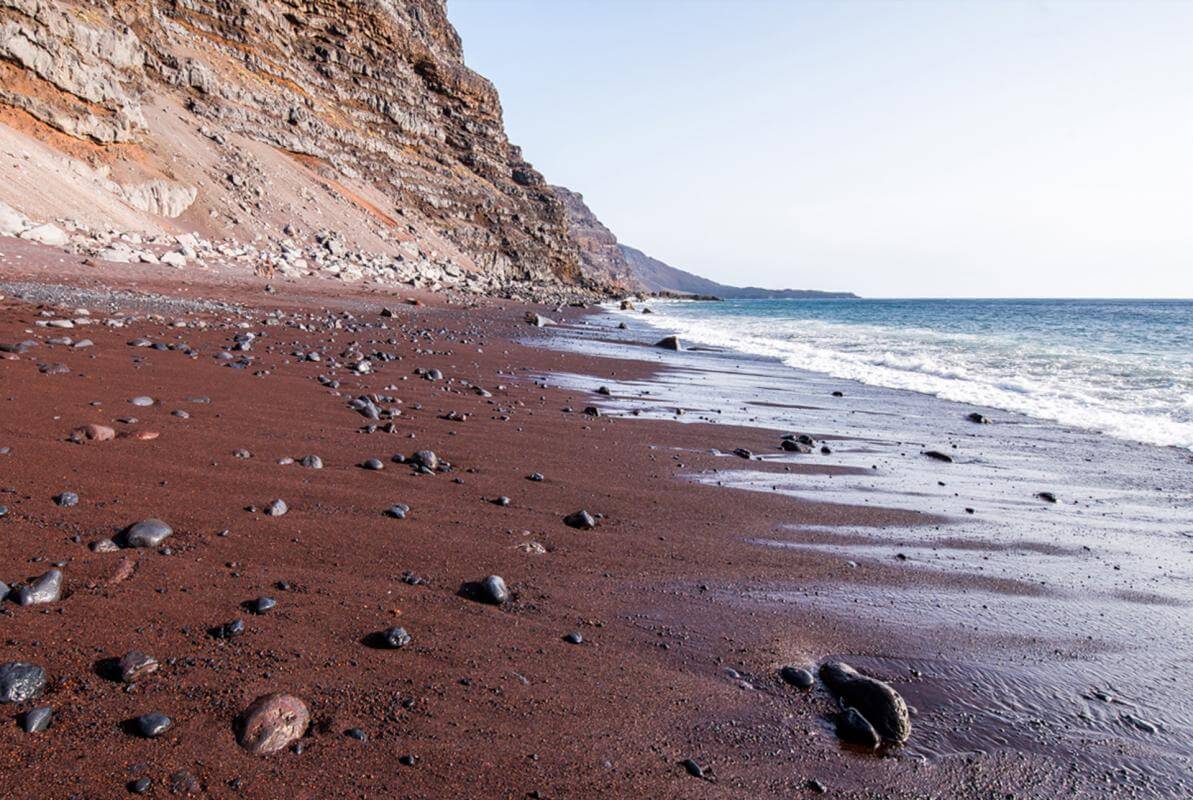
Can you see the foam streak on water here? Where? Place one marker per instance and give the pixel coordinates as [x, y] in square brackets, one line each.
[1124, 367]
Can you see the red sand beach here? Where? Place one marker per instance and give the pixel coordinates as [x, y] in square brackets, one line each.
[484, 700]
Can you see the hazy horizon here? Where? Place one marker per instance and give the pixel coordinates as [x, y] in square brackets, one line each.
[1019, 149]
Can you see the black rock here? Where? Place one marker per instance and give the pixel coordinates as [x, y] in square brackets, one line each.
[501, 501]
[135, 665]
[1047, 496]
[877, 701]
[373, 464]
[792, 446]
[574, 638]
[140, 785]
[604, 390]
[311, 462]
[152, 725]
[669, 343]
[395, 637]
[838, 394]
[592, 411]
[854, 728]
[939, 456]
[693, 769]
[580, 520]
[797, 677]
[260, 605]
[978, 419]
[491, 590]
[37, 720]
[67, 499]
[537, 477]
[398, 511]
[357, 734]
[20, 681]
[228, 630]
[742, 452]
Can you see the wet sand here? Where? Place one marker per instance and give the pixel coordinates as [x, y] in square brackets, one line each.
[694, 589]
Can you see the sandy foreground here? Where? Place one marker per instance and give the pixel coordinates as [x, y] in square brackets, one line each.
[484, 700]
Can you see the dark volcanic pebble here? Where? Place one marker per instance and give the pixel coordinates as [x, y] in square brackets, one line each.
[574, 638]
[1047, 497]
[398, 511]
[492, 590]
[373, 464]
[537, 477]
[140, 786]
[67, 499]
[20, 681]
[936, 455]
[260, 605]
[580, 520]
[357, 734]
[37, 720]
[854, 728]
[311, 462]
[693, 769]
[978, 419]
[797, 676]
[395, 638]
[135, 665]
[669, 343]
[152, 725]
[228, 630]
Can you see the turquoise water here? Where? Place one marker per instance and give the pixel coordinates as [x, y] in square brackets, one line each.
[1123, 367]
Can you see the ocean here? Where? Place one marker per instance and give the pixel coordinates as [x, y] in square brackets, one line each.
[1120, 367]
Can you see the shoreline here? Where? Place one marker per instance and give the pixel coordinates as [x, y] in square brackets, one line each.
[671, 591]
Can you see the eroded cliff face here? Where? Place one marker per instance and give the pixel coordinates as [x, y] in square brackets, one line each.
[237, 118]
[601, 258]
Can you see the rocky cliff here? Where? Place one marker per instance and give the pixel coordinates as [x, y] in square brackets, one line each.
[271, 121]
[601, 258]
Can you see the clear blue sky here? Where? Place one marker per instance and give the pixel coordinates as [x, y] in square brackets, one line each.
[993, 148]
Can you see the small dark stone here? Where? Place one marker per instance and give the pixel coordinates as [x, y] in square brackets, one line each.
[260, 605]
[501, 501]
[398, 511]
[694, 769]
[228, 630]
[580, 520]
[1047, 497]
[373, 464]
[816, 786]
[668, 342]
[742, 452]
[140, 786]
[978, 419]
[152, 725]
[798, 677]
[537, 477]
[357, 734]
[37, 720]
[936, 455]
[67, 499]
[838, 394]
[395, 638]
[135, 665]
[491, 590]
[574, 638]
[854, 728]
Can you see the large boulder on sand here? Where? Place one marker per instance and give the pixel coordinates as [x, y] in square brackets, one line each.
[878, 702]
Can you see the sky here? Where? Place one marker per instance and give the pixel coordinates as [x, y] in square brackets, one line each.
[894, 149]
